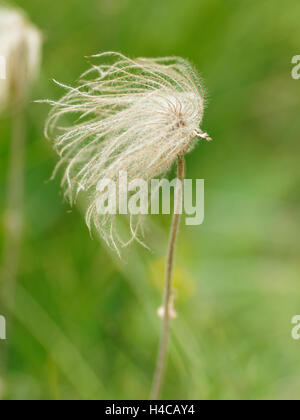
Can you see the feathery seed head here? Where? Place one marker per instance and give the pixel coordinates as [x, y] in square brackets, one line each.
[131, 115]
[20, 44]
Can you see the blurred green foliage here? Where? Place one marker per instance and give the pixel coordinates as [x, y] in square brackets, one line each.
[84, 324]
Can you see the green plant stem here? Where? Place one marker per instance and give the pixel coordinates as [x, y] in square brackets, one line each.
[13, 223]
[163, 348]
[13, 219]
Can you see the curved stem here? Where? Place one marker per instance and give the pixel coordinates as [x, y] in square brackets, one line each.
[163, 348]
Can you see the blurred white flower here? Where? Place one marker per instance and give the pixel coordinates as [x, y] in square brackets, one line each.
[135, 116]
[20, 46]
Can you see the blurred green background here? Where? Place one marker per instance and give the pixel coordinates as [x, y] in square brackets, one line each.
[84, 324]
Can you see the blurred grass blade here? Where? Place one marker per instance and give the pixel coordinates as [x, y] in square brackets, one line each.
[51, 337]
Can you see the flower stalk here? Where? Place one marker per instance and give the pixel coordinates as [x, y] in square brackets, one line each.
[14, 205]
[163, 348]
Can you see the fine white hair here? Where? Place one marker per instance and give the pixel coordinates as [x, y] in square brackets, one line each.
[126, 115]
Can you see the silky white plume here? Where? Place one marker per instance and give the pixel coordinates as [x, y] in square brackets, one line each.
[20, 46]
[129, 115]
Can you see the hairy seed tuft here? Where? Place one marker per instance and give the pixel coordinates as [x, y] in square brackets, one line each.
[129, 115]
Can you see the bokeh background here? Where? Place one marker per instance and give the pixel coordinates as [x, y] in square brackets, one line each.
[83, 324]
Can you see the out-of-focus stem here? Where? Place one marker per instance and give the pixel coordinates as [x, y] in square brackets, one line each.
[13, 216]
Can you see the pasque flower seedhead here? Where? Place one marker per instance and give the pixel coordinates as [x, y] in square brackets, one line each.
[127, 115]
